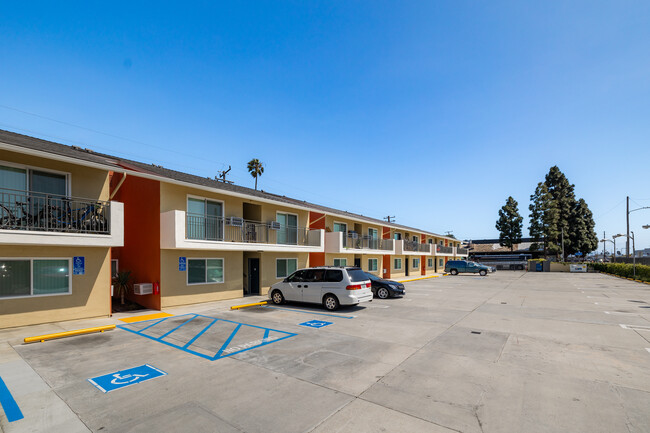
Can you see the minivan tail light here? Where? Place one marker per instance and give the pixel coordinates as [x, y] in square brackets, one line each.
[355, 287]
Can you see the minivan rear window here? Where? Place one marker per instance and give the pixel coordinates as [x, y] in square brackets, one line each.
[357, 275]
[333, 276]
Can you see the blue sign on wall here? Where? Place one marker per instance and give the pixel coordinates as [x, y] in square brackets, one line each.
[182, 264]
[316, 323]
[78, 265]
[123, 378]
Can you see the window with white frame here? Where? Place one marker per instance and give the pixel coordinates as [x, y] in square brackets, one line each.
[372, 264]
[441, 262]
[397, 264]
[204, 219]
[340, 262]
[430, 263]
[288, 233]
[416, 263]
[204, 271]
[285, 267]
[34, 277]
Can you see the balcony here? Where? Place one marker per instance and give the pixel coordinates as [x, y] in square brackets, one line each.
[181, 231]
[412, 248]
[461, 251]
[444, 251]
[351, 243]
[34, 218]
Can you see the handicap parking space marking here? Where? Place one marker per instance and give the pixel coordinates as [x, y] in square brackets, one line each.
[309, 312]
[316, 324]
[123, 378]
[9, 405]
[197, 326]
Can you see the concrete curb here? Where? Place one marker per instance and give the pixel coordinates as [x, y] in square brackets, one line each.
[624, 278]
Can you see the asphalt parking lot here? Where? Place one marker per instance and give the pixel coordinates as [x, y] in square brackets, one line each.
[510, 352]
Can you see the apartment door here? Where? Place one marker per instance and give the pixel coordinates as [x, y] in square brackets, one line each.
[253, 277]
[406, 266]
[357, 262]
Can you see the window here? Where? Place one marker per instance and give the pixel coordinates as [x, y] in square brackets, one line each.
[397, 264]
[415, 239]
[38, 183]
[340, 262]
[430, 241]
[372, 264]
[430, 263]
[204, 271]
[333, 276]
[373, 239]
[115, 267]
[397, 236]
[343, 228]
[288, 233]
[285, 267]
[204, 219]
[441, 262]
[416, 263]
[34, 277]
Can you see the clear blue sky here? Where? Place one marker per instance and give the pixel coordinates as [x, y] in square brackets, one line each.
[434, 112]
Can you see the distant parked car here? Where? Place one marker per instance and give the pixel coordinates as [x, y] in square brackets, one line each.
[454, 267]
[383, 289]
[329, 286]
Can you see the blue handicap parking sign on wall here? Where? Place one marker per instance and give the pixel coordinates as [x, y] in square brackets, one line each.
[124, 378]
[316, 323]
[182, 264]
[78, 265]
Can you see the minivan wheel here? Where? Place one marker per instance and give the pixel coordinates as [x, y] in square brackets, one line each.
[330, 302]
[454, 272]
[482, 272]
[382, 293]
[277, 297]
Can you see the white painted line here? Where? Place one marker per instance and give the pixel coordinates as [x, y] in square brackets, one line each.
[635, 327]
[595, 303]
[617, 312]
[623, 326]
[648, 349]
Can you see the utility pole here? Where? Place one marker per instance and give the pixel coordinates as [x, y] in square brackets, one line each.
[627, 240]
[604, 240]
[563, 243]
[388, 218]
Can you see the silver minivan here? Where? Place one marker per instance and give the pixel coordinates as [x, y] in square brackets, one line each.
[327, 285]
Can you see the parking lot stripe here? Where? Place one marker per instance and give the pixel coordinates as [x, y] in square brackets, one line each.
[182, 324]
[223, 347]
[154, 324]
[309, 312]
[9, 404]
[196, 337]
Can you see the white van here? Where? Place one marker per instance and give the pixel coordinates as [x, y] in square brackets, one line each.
[327, 285]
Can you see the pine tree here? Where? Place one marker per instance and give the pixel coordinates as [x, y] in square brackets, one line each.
[562, 193]
[509, 224]
[544, 216]
[583, 235]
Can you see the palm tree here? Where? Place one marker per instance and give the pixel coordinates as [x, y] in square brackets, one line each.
[123, 282]
[255, 168]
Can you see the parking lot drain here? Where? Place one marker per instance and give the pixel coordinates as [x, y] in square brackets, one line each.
[208, 337]
[476, 332]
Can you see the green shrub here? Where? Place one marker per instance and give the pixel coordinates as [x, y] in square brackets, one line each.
[624, 270]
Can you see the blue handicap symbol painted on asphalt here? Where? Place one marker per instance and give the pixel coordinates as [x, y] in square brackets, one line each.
[316, 323]
[112, 381]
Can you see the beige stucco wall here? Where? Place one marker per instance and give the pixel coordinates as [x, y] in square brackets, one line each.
[329, 259]
[364, 263]
[330, 220]
[174, 289]
[85, 182]
[174, 197]
[90, 295]
[268, 267]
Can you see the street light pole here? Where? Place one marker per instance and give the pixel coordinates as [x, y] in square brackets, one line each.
[627, 243]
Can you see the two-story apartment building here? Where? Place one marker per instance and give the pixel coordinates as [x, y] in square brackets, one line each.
[194, 239]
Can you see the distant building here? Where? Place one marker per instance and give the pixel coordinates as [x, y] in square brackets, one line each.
[491, 247]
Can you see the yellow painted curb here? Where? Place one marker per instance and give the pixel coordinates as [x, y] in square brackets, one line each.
[42, 338]
[237, 307]
[417, 279]
[134, 319]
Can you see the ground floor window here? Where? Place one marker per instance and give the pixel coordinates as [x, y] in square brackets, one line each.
[397, 264]
[204, 271]
[430, 263]
[372, 264]
[340, 262]
[115, 268]
[441, 262]
[34, 277]
[416, 263]
[285, 267]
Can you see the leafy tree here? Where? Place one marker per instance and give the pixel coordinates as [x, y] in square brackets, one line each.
[583, 235]
[565, 200]
[509, 224]
[544, 217]
[255, 168]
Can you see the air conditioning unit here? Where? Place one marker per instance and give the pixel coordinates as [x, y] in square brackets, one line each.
[143, 289]
[235, 221]
[274, 225]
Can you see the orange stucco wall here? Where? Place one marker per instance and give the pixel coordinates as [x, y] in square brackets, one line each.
[316, 222]
[141, 251]
[385, 234]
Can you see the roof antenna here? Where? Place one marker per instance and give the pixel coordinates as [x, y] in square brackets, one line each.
[222, 175]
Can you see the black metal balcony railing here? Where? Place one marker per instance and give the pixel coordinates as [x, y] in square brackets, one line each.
[238, 230]
[411, 246]
[353, 240]
[444, 250]
[462, 251]
[35, 211]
